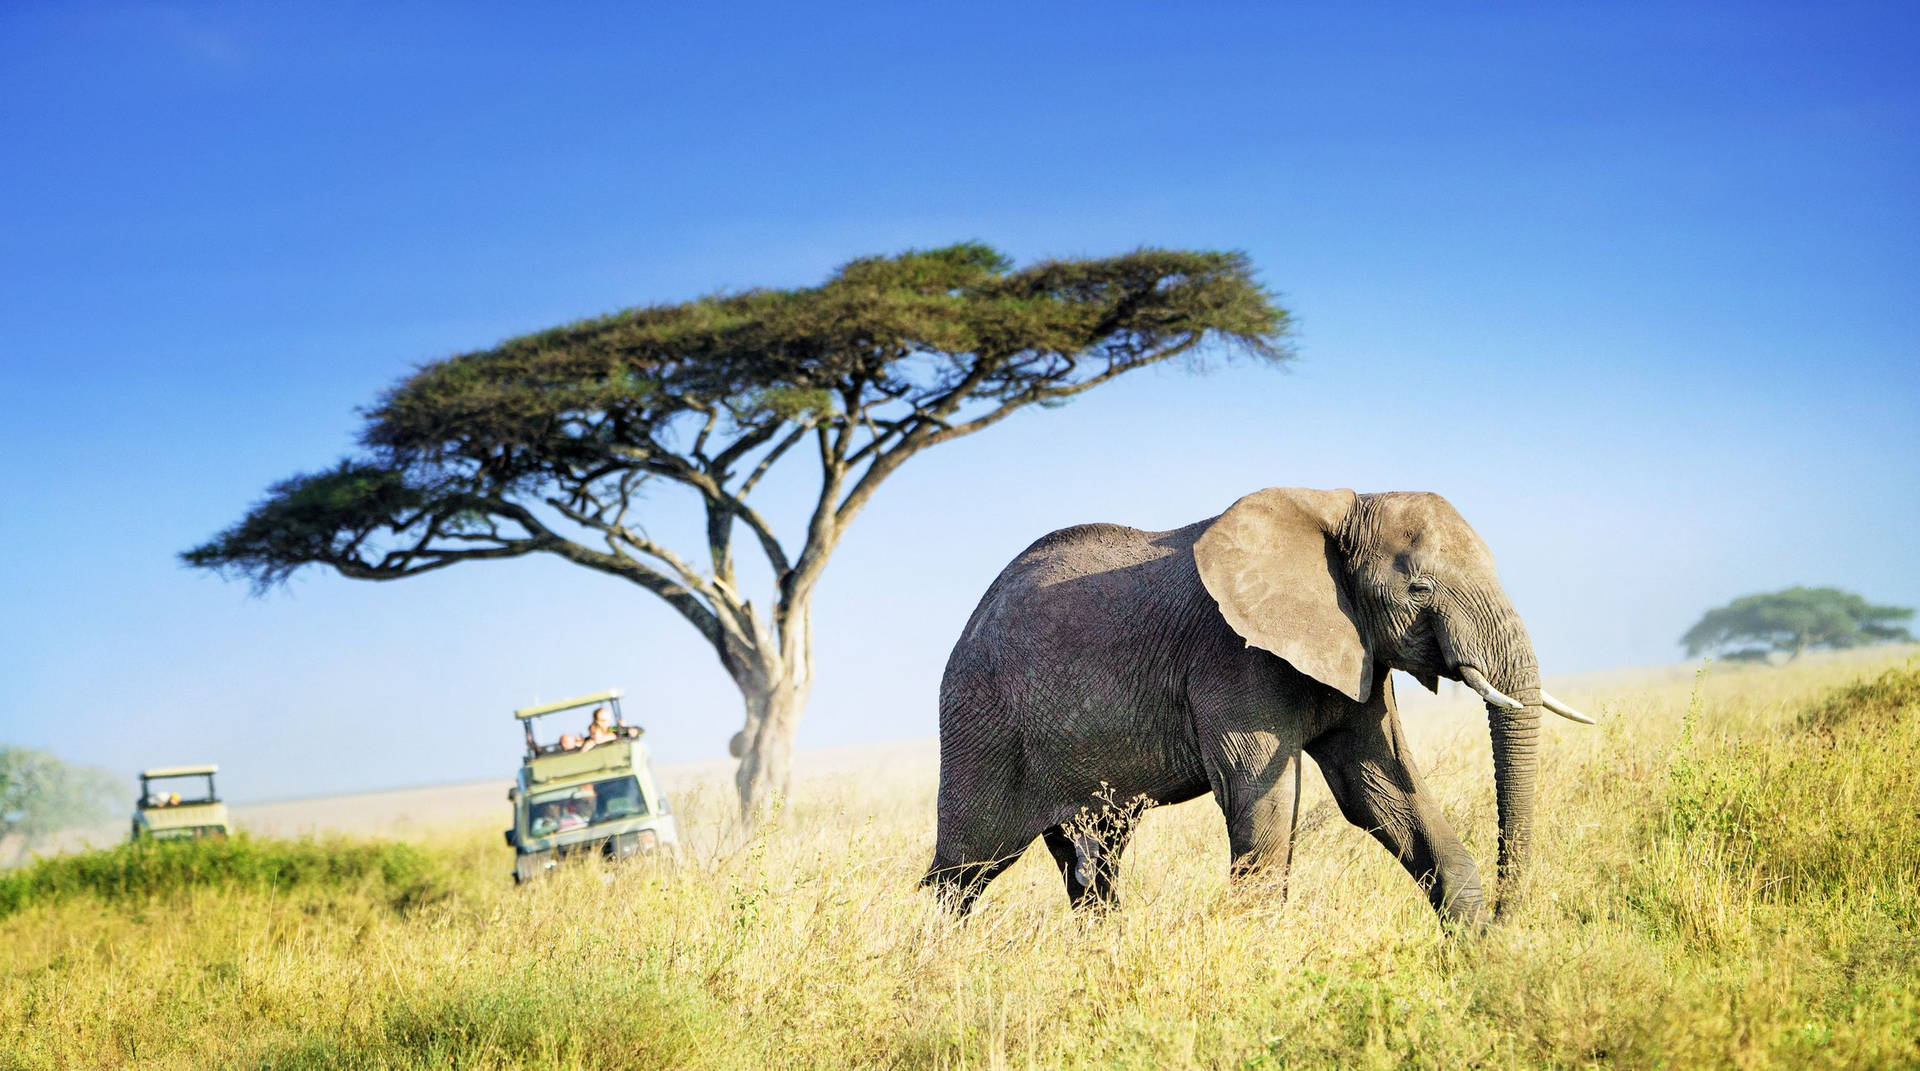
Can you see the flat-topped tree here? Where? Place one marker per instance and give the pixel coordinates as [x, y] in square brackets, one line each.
[1793, 620]
[545, 443]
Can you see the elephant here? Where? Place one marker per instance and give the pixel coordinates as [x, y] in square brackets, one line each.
[1109, 663]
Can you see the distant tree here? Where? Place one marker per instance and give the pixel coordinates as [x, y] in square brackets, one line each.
[1795, 620]
[39, 794]
[548, 443]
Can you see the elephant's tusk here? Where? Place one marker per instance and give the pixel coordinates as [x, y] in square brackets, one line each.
[1565, 711]
[1488, 692]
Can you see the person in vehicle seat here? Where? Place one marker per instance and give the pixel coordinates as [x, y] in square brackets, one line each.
[545, 819]
[577, 812]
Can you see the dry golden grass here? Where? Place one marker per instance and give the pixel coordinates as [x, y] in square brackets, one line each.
[1735, 886]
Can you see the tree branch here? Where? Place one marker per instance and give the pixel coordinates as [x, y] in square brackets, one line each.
[759, 470]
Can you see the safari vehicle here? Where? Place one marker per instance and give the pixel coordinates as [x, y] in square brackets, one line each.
[177, 802]
[577, 797]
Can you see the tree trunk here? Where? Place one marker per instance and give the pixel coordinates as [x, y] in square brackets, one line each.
[766, 744]
[774, 672]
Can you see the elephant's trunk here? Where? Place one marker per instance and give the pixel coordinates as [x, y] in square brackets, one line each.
[1516, 768]
[1502, 668]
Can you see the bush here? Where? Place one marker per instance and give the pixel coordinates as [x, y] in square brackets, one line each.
[1878, 703]
[397, 873]
[1821, 815]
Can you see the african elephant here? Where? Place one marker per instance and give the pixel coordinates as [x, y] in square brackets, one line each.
[1114, 663]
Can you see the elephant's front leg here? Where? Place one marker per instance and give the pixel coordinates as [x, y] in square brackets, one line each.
[1246, 716]
[1258, 787]
[1371, 773]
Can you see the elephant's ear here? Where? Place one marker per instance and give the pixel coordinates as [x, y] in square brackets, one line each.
[1272, 564]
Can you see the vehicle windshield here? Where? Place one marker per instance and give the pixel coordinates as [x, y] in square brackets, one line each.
[176, 791]
[585, 805]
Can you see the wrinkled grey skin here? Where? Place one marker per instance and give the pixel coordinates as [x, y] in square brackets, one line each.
[1107, 661]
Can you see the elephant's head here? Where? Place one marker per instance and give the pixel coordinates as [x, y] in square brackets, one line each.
[1343, 585]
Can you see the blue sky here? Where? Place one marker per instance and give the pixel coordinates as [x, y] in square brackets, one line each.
[1634, 286]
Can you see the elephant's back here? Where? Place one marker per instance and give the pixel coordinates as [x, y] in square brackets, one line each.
[1065, 604]
[1072, 577]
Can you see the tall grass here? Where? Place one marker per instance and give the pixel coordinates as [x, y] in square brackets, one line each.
[1729, 875]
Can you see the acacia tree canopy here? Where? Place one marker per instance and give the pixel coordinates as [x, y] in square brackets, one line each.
[547, 443]
[39, 794]
[1795, 620]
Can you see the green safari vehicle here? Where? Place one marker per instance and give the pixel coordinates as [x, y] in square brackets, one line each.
[582, 796]
[178, 802]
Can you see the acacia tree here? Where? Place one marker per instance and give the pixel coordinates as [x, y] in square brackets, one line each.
[549, 443]
[1794, 620]
[39, 794]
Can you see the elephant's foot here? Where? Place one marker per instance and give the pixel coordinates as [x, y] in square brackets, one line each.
[1460, 902]
[1089, 865]
[957, 886]
[1465, 915]
[1253, 880]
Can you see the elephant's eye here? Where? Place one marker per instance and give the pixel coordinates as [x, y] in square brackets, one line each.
[1420, 587]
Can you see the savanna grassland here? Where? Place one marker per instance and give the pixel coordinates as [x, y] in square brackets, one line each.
[1728, 875]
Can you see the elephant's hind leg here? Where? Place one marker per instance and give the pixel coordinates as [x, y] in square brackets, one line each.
[982, 829]
[958, 885]
[1087, 850]
[1073, 870]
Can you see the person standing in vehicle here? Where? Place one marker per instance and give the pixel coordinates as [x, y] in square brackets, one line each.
[601, 730]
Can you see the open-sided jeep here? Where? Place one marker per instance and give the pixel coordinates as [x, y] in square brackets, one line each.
[586, 794]
[179, 801]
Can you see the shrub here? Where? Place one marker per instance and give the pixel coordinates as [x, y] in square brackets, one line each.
[1878, 702]
[397, 873]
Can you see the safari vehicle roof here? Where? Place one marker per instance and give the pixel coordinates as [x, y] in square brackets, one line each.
[179, 771]
[566, 704]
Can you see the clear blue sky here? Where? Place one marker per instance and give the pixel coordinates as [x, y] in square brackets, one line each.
[1635, 286]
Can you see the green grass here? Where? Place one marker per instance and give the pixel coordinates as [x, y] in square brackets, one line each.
[150, 870]
[1728, 876]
